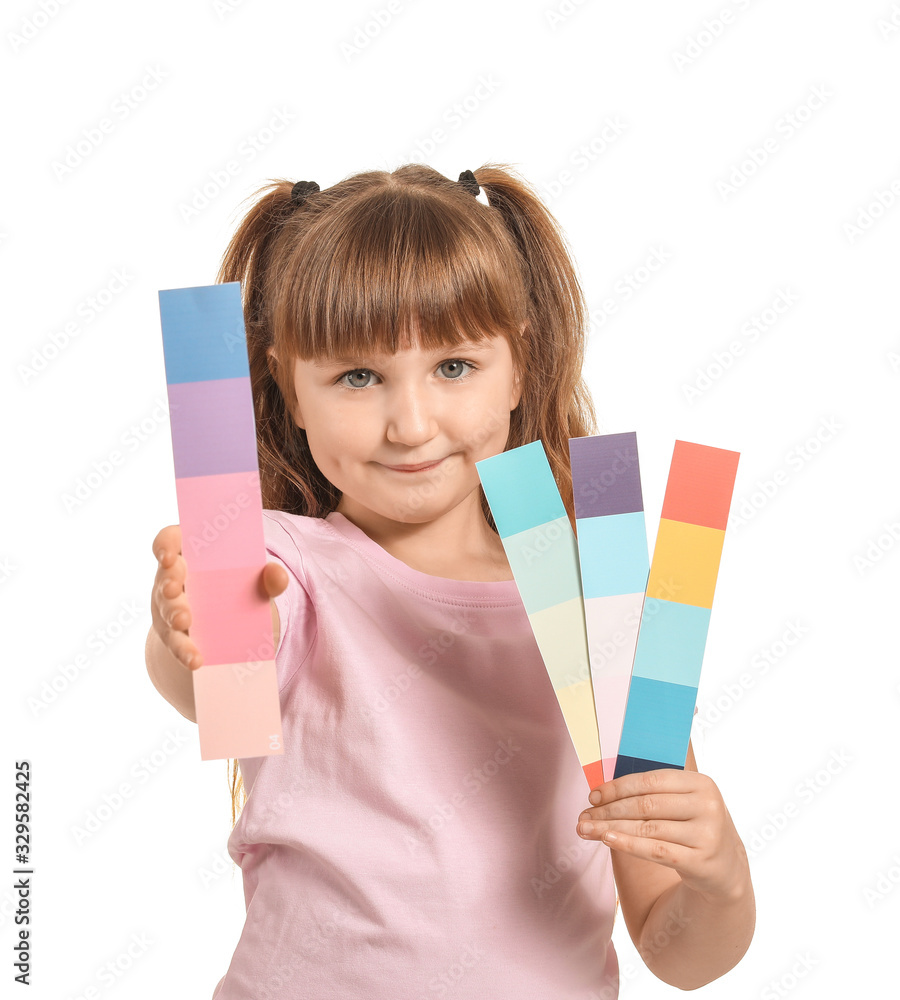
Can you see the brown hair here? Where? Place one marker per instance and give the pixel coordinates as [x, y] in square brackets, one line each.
[383, 259]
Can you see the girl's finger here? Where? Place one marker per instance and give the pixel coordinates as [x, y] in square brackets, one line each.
[676, 856]
[182, 646]
[662, 805]
[167, 544]
[684, 835]
[172, 604]
[275, 579]
[667, 779]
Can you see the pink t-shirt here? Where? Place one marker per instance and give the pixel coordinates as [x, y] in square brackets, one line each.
[417, 836]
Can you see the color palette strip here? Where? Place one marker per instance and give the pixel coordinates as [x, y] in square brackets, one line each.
[675, 618]
[539, 542]
[612, 549]
[220, 512]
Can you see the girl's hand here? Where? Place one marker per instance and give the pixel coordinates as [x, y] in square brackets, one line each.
[169, 604]
[675, 818]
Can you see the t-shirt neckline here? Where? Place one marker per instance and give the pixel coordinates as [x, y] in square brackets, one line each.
[497, 591]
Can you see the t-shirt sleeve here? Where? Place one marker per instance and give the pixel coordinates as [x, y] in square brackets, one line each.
[296, 612]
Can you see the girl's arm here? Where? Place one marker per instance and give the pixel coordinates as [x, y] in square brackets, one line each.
[170, 653]
[681, 872]
[169, 675]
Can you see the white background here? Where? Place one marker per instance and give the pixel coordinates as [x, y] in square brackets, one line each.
[810, 402]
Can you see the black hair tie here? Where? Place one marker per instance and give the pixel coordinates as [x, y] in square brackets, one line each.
[467, 180]
[302, 190]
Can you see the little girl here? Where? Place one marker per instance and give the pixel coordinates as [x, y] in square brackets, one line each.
[426, 831]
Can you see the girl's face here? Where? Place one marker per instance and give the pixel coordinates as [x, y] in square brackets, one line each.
[369, 418]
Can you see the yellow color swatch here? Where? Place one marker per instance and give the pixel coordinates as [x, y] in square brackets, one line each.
[560, 636]
[685, 563]
[577, 704]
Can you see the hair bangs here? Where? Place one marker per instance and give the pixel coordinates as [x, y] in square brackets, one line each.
[401, 266]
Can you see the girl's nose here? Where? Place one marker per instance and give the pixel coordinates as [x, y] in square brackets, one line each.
[411, 416]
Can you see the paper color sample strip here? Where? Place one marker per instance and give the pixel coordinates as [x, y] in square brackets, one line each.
[675, 619]
[612, 549]
[540, 545]
[220, 512]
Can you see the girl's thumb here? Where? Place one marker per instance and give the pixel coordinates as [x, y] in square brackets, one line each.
[275, 579]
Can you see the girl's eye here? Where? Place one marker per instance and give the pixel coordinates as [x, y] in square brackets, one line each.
[354, 377]
[455, 370]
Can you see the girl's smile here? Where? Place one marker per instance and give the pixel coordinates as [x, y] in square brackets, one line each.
[415, 468]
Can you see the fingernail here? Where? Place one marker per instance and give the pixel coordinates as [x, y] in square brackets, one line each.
[594, 797]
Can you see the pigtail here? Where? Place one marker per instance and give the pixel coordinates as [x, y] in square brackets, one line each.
[289, 478]
[556, 403]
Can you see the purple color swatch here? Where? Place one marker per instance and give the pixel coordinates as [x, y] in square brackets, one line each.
[607, 470]
[211, 432]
